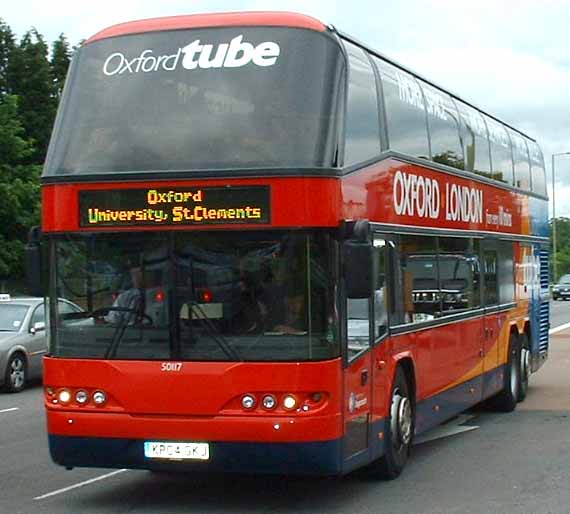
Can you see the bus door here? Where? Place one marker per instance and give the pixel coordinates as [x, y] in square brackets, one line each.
[366, 333]
[358, 344]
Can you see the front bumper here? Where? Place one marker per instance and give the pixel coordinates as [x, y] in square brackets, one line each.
[306, 458]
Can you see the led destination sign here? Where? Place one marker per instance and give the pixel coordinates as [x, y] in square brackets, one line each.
[175, 206]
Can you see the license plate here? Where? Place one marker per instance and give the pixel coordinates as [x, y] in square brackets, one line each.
[176, 451]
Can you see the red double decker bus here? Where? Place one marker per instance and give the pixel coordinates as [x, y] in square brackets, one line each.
[292, 253]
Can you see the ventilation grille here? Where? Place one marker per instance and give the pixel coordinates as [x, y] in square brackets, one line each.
[544, 278]
[543, 327]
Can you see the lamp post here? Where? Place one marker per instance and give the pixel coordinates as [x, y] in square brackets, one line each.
[554, 271]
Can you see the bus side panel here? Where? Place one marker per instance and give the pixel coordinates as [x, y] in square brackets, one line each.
[448, 363]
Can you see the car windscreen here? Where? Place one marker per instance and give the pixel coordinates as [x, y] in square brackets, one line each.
[202, 99]
[12, 317]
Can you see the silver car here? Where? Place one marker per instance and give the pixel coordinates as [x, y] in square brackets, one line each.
[23, 339]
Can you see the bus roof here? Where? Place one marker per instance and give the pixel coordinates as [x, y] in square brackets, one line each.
[268, 19]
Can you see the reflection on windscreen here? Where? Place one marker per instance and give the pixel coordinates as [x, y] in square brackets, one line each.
[116, 117]
[231, 296]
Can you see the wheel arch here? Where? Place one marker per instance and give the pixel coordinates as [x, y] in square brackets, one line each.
[406, 362]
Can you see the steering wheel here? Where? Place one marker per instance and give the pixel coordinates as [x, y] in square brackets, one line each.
[138, 316]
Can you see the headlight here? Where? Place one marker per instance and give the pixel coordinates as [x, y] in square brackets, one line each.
[81, 397]
[99, 397]
[269, 402]
[248, 401]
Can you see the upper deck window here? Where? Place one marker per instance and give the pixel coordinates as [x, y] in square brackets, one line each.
[475, 142]
[521, 160]
[405, 111]
[501, 154]
[362, 122]
[443, 123]
[537, 168]
[204, 99]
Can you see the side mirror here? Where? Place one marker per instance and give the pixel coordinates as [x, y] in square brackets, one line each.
[38, 327]
[357, 258]
[33, 257]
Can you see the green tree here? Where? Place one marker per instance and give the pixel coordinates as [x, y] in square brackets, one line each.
[19, 189]
[30, 87]
[60, 59]
[6, 49]
[562, 247]
[29, 77]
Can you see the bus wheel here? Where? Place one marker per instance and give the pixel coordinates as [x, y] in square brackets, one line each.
[399, 435]
[506, 400]
[524, 367]
[15, 378]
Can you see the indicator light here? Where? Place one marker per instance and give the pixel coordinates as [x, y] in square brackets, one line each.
[289, 402]
[64, 396]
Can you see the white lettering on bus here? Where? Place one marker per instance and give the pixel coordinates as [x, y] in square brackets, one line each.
[463, 204]
[435, 104]
[235, 54]
[410, 92]
[413, 195]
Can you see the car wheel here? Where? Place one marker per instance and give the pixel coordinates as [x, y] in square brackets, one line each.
[16, 373]
[506, 400]
[399, 435]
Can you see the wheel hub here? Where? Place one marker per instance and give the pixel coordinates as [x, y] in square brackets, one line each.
[17, 373]
[401, 419]
[525, 363]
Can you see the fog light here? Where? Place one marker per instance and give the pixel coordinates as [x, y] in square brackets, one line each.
[289, 402]
[64, 396]
[99, 397]
[81, 397]
[269, 402]
[248, 402]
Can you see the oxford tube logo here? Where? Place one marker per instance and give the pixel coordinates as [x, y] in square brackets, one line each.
[195, 55]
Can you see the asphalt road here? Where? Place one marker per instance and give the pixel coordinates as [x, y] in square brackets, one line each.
[495, 463]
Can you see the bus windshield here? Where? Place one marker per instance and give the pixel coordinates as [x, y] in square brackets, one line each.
[255, 296]
[202, 99]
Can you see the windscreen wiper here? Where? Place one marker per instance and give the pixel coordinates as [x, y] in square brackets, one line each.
[122, 325]
[215, 334]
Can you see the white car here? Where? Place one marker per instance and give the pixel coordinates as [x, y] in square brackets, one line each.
[23, 340]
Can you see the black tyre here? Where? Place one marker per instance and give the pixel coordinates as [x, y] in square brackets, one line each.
[506, 400]
[16, 373]
[524, 366]
[401, 424]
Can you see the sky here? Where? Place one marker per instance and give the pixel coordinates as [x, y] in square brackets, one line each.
[508, 57]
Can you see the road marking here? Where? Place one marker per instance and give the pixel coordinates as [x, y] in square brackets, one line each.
[80, 484]
[9, 410]
[559, 328]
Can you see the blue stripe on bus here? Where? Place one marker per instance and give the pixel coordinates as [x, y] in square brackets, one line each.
[310, 458]
[441, 407]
